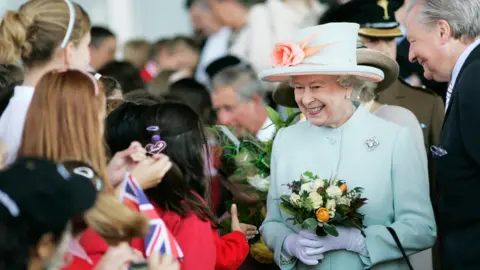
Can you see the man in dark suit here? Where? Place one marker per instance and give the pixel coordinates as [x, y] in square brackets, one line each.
[445, 39]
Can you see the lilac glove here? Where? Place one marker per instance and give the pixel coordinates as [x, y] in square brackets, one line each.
[350, 239]
[306, 250]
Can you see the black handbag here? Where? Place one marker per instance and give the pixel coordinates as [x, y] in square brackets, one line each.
[399, 245]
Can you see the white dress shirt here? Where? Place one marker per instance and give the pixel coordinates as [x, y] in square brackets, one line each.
[215, 47]
[13, 120]
[457, 68]
[267, 131]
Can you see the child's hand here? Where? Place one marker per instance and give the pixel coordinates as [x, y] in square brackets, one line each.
[249, 230]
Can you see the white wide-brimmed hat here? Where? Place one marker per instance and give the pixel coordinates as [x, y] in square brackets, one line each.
[329, 49]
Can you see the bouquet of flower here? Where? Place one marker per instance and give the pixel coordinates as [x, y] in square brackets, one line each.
[322, 204]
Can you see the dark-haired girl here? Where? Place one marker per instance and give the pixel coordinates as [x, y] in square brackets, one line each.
[182, 198]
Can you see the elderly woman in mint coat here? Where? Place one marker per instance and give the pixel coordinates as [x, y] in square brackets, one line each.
[341, 138]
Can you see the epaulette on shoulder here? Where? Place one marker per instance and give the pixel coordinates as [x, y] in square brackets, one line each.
[422, 88]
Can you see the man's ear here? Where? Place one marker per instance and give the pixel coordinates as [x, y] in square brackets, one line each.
[445, 31]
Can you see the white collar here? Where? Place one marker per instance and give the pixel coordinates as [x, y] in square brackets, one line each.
[267, 131]
[23, 92]
[461, 60]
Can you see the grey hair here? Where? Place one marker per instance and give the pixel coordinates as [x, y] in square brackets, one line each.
[363, 91]
[243, 79]
[201, 3]
[462, 15]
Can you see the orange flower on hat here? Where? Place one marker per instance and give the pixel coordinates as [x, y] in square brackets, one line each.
[288, 54]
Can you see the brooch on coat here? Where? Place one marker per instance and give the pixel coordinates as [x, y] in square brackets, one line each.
[372, 144]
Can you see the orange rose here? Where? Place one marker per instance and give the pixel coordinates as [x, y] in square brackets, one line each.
[323, 215]
[343, 188]
[287, 54]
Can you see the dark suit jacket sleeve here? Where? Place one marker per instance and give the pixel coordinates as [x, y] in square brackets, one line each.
[438, 116]
[469, 97]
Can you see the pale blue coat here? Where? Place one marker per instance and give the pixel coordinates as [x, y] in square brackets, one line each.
[394, 178]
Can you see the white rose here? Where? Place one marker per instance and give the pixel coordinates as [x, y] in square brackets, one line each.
[331, 204]
[259, 183]
[319, 183]
[316, 200]
[334, 192]
[343, 201]
[295, 199]
[331, 213]
[308, 187]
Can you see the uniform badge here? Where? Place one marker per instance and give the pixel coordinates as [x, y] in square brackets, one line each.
[372, 144]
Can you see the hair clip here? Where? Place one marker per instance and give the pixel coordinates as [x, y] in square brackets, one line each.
[157, 145]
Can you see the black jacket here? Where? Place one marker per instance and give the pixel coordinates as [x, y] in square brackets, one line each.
[458, 171]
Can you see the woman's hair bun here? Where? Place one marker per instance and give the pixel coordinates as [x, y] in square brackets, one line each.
[13, 36]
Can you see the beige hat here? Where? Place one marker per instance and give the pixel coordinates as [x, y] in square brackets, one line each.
[284, 95]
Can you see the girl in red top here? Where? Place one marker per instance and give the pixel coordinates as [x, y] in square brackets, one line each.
[182, 198]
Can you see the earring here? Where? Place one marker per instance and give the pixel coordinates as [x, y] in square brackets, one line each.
[347, 95]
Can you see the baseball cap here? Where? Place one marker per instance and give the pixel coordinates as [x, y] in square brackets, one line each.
[44, 194]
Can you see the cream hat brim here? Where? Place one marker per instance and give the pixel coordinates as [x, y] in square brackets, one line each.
[280, 74]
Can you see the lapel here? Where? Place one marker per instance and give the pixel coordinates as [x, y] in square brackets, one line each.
[474, 55]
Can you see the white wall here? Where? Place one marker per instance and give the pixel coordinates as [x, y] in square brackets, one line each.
[150, 19]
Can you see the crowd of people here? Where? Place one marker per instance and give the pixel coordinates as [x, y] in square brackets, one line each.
[115, 164]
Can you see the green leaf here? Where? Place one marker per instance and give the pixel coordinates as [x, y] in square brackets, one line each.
[291, 118]
[285, 198]
[289, 111]
[309, 224]
[288, 209]
[274, 116]
[330, 229]
[308, 174]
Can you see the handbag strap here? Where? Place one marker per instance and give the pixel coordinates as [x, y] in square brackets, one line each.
[399, 245]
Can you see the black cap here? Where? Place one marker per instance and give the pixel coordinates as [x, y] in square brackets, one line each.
[376, 17]
[220, 64]
[44, 194]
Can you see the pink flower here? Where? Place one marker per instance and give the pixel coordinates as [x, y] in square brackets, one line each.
[287, 54]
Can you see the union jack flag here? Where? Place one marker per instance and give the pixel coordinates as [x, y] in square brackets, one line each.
[159, 238]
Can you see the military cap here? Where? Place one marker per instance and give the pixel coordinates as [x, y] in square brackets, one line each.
[376, 17]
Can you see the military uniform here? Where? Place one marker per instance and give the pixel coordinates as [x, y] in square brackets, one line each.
[429, 109]
[424, 103]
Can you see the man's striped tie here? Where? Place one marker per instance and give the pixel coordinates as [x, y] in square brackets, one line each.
[449, 95]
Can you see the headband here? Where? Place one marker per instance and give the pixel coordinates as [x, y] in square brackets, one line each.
[71, 23]
[94, 81]
[11, 206]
